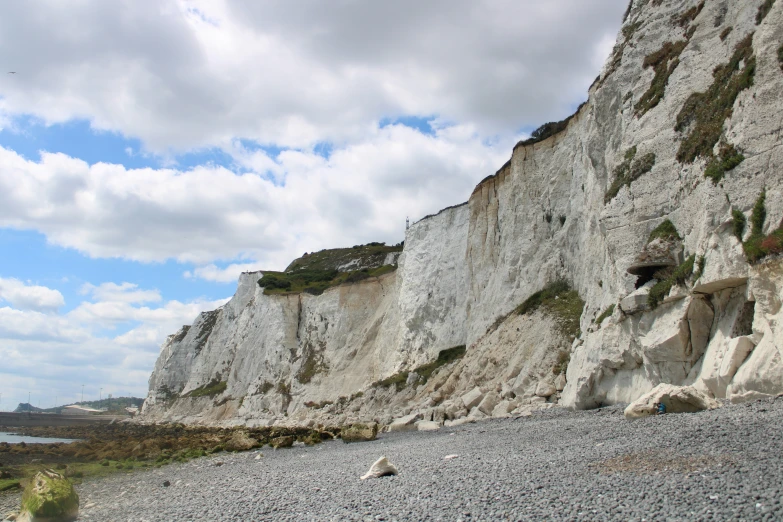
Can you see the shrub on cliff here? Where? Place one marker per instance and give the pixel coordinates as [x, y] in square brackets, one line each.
[702, 115]
[727, 159]
[738, 223]
[759, 246]
[668, 277]
[628, 171]
[272, 282]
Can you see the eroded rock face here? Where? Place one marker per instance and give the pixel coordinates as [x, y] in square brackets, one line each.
[547, 214]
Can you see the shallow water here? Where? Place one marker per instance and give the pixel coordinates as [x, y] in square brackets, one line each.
[15, 439]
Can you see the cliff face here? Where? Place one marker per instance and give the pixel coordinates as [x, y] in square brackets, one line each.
[577, 206]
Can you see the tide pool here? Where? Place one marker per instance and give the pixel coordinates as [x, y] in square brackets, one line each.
[15, 439]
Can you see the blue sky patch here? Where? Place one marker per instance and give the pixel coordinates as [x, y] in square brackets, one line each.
[29, 257]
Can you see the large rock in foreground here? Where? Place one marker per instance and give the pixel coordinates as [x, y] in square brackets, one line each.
[50, 498]
[678, 399]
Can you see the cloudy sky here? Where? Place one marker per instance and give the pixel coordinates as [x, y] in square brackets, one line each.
[151, 150]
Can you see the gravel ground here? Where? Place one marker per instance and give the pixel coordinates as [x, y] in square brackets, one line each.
[556, 465]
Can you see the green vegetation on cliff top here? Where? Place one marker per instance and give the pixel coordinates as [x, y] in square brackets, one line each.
[371, 254]
[316, 272]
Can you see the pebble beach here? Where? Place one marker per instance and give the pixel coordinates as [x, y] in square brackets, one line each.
[725, 464]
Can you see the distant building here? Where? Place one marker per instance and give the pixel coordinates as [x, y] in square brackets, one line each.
[77, 409]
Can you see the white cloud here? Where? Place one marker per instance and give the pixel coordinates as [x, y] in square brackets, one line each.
[29, 297]
[110, 343]
[362, 192]
[228, 274]
[183, 74]
[124, 292]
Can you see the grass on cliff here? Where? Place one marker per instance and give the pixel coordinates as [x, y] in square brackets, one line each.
[758, 246]
[425, 371]
[728, 158]
[668, 277]
[685, 19]
[631, 169]
[606, 313]
[214, 387]
[561, 301]
[10, 483]
[313, 364]
[666, 230]
[663, 61]
[702, 115]
[763, 11]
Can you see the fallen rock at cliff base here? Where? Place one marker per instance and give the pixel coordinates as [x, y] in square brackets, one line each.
[545, 389]
[488, 403]
[472, 398]
[427, 426]
[678, 399]
[405, 423]
[381, 468]
[502, 409]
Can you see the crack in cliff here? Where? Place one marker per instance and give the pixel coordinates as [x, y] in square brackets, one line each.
[298, 319]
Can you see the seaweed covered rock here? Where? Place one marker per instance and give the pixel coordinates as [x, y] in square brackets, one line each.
[359, 432]
[50, 497]
[241, 441]
[286, 441]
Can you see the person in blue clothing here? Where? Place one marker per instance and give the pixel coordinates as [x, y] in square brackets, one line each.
[660, 408]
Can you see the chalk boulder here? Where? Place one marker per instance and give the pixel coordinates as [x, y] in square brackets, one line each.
[677, 399]
[472, 398]
[380, 468]
[405, 423]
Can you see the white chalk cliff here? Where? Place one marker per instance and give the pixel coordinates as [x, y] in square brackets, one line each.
[551, 213]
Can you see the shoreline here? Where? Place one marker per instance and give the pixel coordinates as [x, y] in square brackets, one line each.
[556, 464]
